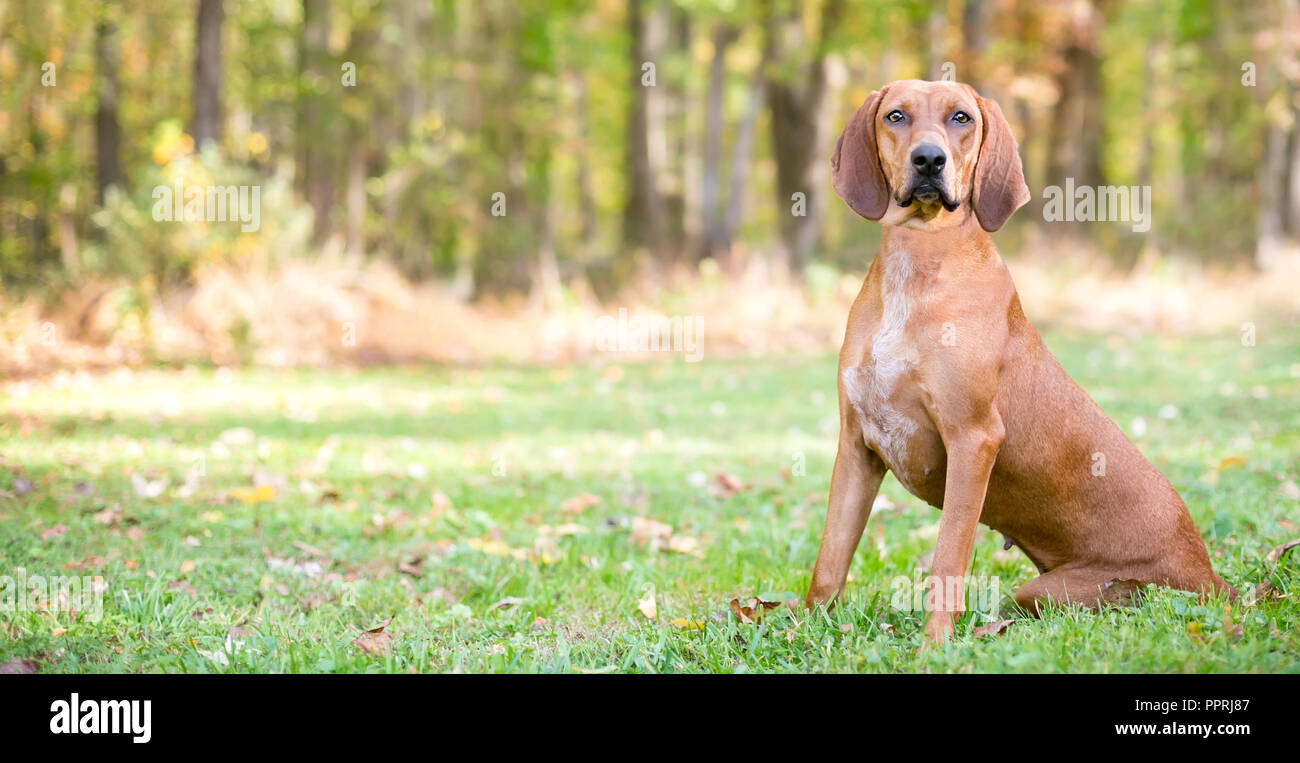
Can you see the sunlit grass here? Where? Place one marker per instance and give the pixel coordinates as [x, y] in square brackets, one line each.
[433, 494]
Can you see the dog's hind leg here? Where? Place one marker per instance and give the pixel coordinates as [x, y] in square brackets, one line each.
[1085, 586]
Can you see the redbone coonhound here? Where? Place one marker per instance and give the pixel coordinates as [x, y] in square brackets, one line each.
[944, 382]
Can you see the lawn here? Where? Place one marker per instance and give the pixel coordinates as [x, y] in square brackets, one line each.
[257, 520]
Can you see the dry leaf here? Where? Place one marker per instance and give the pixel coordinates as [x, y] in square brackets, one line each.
[1122, 592]
[19, 666]
[374, 643]
[183, 587]
[187, 566]
[1229, 462]
[645, 530]
[54, 532]
[993, 629]
[146, 488]
[309, 549]
[751, 615]
[682, 544]
[689, 625]
[440, 502]
[648, 606]
[108, 517]
[1261, 592]
[58, 631]
[253, 495]
[730, 484]
[580, 503]
[1280, 551]
[507, 603]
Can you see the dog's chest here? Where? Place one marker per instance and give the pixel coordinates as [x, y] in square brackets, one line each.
[884, 392]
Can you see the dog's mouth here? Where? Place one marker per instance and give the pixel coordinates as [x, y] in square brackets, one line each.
[927, 192]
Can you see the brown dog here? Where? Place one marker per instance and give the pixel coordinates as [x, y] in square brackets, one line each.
[943, 381]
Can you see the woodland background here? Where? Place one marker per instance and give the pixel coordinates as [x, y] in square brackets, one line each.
[377, 197]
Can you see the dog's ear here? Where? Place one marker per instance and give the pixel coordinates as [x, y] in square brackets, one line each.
[1000, 187]
[855, 167]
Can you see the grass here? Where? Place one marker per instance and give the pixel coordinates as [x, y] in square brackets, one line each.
[429, 495]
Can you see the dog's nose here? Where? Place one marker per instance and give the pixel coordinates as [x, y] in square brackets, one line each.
[928, 159]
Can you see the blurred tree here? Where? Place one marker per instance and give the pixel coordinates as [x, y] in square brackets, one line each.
[206, 127]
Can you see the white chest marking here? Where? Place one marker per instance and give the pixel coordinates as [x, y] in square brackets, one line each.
[868, 387]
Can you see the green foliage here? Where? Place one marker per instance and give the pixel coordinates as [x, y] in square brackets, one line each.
[355, 531]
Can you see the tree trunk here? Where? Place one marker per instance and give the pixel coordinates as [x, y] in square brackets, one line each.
[643, 215]
[108, 134]
[315, 169]
[1077, 116]
[798, 131]
[742, 151]
[974, 39]
[207, 73]
[714, 234]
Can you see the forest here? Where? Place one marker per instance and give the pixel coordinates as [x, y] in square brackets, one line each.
[626, 138]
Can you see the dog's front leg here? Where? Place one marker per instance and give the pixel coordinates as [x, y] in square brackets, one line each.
[854, 483]
[972, 449]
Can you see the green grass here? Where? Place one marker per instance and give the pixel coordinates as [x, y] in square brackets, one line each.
[358, 455]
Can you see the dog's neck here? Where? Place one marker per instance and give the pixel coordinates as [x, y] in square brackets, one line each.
[928, 249]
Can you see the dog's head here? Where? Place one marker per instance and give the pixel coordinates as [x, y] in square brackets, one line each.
[916, 151]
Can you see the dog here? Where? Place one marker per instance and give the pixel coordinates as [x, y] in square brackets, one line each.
[944, 382]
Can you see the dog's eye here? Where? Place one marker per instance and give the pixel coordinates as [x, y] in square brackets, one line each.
[961, 118]
[895, 116]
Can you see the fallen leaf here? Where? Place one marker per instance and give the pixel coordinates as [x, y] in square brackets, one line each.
[1229, 462]
[146, 488]
[1261, 592]
[184, 587]
[309, 549]
[689, 625]
[569, 528]
[54, 532]
[440, 502]
[730, 484]
[993, 629]
[187, 566]
[1229, 627]
[108, 517]
[253, 495]
[1280, 551]
[1122, 592]
[645, 530]
[648, 606]
[374, 641]
[507, 603]
[580, 503]
[58, 631]
[14, 667]
[751, 615]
